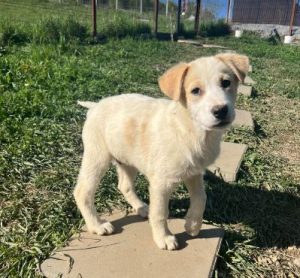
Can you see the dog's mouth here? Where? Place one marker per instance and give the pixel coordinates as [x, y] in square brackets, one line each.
[222, 124]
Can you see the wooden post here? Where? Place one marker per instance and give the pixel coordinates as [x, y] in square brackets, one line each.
[156, 3]
[141, 6]
[292, 17]
[117, 4]
[228, 10]
[178, 17]
[94, 15]
[167, 7]
[197, 16]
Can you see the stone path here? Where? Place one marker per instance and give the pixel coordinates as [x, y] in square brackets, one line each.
[243, 118]
[249, 81]
[229, 161]
[245, 90]
[131, 252]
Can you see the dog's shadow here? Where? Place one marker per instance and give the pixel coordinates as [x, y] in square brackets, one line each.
[182, 237]
[272, 217]
[126, 220]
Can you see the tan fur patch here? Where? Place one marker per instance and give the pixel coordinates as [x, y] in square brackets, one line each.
[239, 64]
[144, 139]
[129, 130]
[171, 82]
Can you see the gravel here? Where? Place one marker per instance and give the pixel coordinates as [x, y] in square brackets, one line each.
[264, 30]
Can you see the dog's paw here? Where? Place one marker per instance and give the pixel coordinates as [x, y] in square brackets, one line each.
[192, 227]
[168, 242]
[143, 211]
[105, 228]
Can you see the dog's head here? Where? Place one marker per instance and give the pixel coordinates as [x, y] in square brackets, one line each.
[207, 87]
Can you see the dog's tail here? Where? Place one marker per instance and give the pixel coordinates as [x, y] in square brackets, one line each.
[87, 104]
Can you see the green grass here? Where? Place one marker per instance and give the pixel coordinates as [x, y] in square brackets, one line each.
[41, 148]
[42, 21]
[51, 22]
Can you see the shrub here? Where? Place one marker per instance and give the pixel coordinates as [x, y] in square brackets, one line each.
[11, 35]
[72, 29]
[54, 30]
[47, 31]
[63, 30]
[207, 29]
[214, 29]
[187, 31]
[121, 26]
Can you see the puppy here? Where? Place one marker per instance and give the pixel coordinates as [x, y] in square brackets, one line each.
[168, 141]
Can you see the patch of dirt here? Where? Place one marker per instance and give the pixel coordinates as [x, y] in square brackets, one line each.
[281, 117]
[280, 262]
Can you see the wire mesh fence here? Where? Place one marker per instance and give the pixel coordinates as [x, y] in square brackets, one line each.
[137, 10]
[141, 12]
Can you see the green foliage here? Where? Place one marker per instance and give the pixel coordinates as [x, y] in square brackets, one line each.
[121, 26]
[214, 29]
[74, 30]
[40, 127]
[54, 30]
[10, 35]
[207, 29]
[61, 30]
[48, 31]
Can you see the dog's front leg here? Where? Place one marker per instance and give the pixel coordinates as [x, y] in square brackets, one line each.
[197, 205]
[158, 215]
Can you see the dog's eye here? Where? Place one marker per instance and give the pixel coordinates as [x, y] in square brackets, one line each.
[196, 91]
[225, 83]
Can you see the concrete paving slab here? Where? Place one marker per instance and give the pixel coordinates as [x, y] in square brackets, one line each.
[228, 51]
[131, 252]
[214, 46]
[194, 42]
[245, 90]
[243, 118]
[249, 81]
[229, 161]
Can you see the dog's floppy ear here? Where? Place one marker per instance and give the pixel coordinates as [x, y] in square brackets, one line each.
[239, 64]
[171, 82]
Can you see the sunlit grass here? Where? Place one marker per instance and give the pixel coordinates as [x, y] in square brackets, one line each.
[41, 147]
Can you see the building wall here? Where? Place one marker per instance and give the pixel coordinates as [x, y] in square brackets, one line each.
[265, 11]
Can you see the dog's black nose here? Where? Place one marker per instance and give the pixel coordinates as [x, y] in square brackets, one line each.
[220, 111]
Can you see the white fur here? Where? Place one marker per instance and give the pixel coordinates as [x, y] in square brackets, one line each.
[168, 141]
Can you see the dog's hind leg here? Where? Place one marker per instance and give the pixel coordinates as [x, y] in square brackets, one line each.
[127, 175]
[95, 162]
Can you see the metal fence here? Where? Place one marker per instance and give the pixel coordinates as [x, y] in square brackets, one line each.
[143, 10]
[265, 11]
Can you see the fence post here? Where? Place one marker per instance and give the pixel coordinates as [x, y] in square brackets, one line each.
[156, 2]
[228, 9]
[292, 17]
[178, 17]
[117, 4]
[167, 7]
[197, 16]
[94, 15]
[141, 6]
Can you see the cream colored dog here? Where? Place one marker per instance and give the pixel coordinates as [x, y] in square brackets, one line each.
[169, 141]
